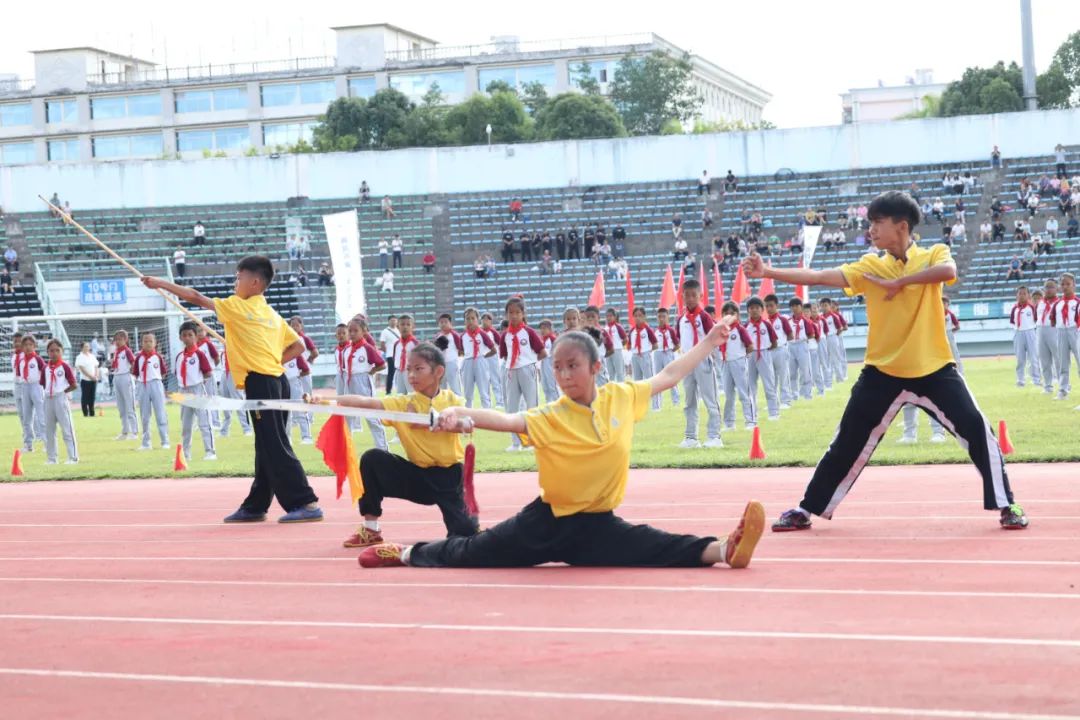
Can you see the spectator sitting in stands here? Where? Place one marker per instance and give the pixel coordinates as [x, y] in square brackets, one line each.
[301, 277]
[55, 201]
[507, 246]
[839, 239]
[761, 245]
[1032, 204]
[387, 281]
[489, 265]
[796, 244]
[690, 265]
[11, 259]
[546, 263]
[731, 185]
[959, 211]
[985, 230]
[959, 232]
[864, 224]
[826, 240]
[1015, 273]
[733, 244]
[573, 244]
[1052, 227]
[998, 234]
[1045, 246]
[365, 191]
[1021, 230]
[537, 245]
[429, 262]
[926, 209]
[969, 181]
[6, 282]
[756, 223]
[676, 226]
[1028, 264]
[957, 184]
[1072, 227]
[479, 267]
[775, 248]
[618, 266]
[997, 208]
[387, 208]
[589, 239]
[605, 253]
[937, 209]
[67, 211]
[198, 233]
[744, 220]
[525, 246]
[914, 192]
[179, 257]
[545, 242]
[717, 242]
[810, 217]
[703, 182]
[1067, 200]
[326, 276]
[744, 247]
[706, 219]
[844, 218]
[1046, 188]
[618, 234]
[946, 235]
[515, 209]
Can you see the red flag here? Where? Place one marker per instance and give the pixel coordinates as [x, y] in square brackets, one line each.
[629, 296]
[717, 288]
[335, 442]
[701, 281]
[667, 292]
[800, 290]
[678, 295]
[596, 297]
[741, 292]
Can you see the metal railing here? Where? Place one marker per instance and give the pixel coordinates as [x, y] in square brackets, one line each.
[510, 46]
[96, 270]
[210, 71]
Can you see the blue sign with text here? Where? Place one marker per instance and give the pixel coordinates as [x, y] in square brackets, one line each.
[102, 292]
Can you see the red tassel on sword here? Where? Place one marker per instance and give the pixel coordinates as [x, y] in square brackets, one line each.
[467, 480]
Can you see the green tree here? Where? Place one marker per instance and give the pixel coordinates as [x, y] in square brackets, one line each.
[342, 127]
[931, 107]
[965, 96]
[425, 126]
[1053, 88]
[534, 97]
[384, 119]
[499, 86]
[999, 96]
[701, 126]
[649, 91]
[573, 116]
[584, 80]
[504, 111]
[1067, 59]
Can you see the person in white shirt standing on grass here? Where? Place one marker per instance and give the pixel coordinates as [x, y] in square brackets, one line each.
[150, 372]
[89, 372]
[59, 382]
[1063, 317]
[476, 349]
[523, 349]
[1022, 318]
[733, 376]
[123, 363]
[191, 368]
[452, 352]
[700, 383]
[667, 339]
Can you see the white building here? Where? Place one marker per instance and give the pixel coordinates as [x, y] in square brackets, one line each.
[881, 103]
[88, 104]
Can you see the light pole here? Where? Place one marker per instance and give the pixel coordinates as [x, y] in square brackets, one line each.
[1031, 101]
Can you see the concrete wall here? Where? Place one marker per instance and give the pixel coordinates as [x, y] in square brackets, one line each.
[556, 164]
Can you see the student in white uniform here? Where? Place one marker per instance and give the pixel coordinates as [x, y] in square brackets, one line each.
[1046, 336]
[33, 389]
[150, 372]
[496, 380]
[780, 358]
[1022, 318]
[667, 340]
[229, 390]
[693, 325]
[547, 365]
[402, 346]
[341, 332]
[522, 349]
[59, 383]
[452, 352]
[763, 339]
[192, 367]
[1064, 319]
[295, 371]
[616, 366]
[362, 362]
[800, 367]
[735, 374]
[642, 343]
[477, 349]
[123, 384]
[16, 374]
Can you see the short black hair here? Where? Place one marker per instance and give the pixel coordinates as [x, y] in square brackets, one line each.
[612, 311]
[588, 341]
[391, 317]
[638, 309]
[729, 307]
[771, 298]
[545, 323]
[663, 310]
[259, 265]
[755, 302]
[54, 341]
[445, 316]
[591, 309]
[691, 284]
[442, 342]
[472, 310]
[487, 315]
[188, 325]
[340, 325]
[513, 301]
[430, 353]
[896, 206]
[296, 318]
[710, 309]
[794, 302]
[405, 316]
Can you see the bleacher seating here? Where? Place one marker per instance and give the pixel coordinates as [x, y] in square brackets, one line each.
[23, 301]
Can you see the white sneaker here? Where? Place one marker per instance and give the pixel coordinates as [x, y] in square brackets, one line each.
[513, 448]
[714, 443]
[210, 456]
[774, 418]
[528, 448]
[71, 462]
[785, 406]
[907, 440]
[165, 446]
[50, 462]
[750, 426]
[247, 433]
[133, 437]
[143, 447]
[729, 428]
[937, 438]
[121, 436]
[689, 444]
[307, 441]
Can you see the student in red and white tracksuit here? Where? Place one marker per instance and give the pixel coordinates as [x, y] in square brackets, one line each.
[523, 349]
[477, 350]
[228, 389]
[667, 340]
[33, 389]
[150, 371]
[123, 363]
[1022, 318]
[800, 366]
[451, 353]
[362, 362]
[616, 365]
[642, 343]
[780, 358]
[59, 382]
[295, 371]
[496, 378]
[1046, 336]
[1063, 317]
[734, 376]
[762, 340]
[192, 367]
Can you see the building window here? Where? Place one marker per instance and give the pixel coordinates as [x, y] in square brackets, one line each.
[361, 87]
[65, 150]
[17, 153]
[128, 146]
[61, 111]
[12, 114]
[517, 76]
[416, 85]
[119, 106]
[603, 71]
[285, 134]
[231, 98]
[319, 92]
[231, 138]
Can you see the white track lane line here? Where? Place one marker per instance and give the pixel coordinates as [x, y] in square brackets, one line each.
[534, 587]
[625, 699]
[557, 630]
[995, 537]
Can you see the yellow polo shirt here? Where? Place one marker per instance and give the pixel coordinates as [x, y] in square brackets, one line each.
[583, 453]
[906, 334]
[256, 336]
[423, 447]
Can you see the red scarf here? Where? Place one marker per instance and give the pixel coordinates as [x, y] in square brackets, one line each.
[116, 357]
[404, 349]
[52, 375]
[183, 365]
[340, 355]
[664, 334]
[515, 349]
[26, 365]
[637, 339]
[692, 316]
[19, 355]
[798, 325]
[475, 343]
[352, 351]
[145, 363]
[757, 326]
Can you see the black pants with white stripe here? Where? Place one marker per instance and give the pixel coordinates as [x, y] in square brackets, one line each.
[875, 400]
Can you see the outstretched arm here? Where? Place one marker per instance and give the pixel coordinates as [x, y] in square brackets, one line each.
[754, 267]
[463, 419]
[186, 294]
[945, 272]
[672, 373]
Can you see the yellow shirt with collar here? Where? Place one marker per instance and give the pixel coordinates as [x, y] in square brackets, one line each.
[423, 447]
[257, 336]
[906, 336]
[583, 453]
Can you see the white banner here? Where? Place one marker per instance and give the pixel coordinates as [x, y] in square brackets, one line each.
[810, 235]
[343, 237]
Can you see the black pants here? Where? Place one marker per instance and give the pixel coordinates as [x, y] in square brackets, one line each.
[875, 400]
[526, 252]
[180, 269]
[1061, 171]
[388, 475]
[574, 253]
[535, 536]
[389, 374]
[507, 253]
[397, 258]
[278, 473]
[88, 392]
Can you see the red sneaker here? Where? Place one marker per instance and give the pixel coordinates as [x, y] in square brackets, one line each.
[744, 538]
[385, 555]
[363, 537]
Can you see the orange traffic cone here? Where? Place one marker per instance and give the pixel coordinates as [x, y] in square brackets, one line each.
[1003, 439]
[757, 452]
[16, 464]
[101, 412]
[180, 463]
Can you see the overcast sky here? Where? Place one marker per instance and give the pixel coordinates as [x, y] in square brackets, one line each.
[804, 53]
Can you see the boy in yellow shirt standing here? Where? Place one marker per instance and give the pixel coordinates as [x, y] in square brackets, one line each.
[259, 344]
[582, 444]
[908, 360]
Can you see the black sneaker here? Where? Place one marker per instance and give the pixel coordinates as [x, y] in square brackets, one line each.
[1013, 518]
[791, 520]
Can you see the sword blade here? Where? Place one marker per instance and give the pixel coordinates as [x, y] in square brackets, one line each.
[218, 403]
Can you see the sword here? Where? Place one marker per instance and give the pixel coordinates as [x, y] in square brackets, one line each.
[218, 403]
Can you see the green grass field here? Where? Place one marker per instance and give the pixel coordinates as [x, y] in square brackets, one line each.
[1040, 429]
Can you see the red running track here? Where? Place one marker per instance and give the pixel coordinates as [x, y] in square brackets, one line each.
[130, 599]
